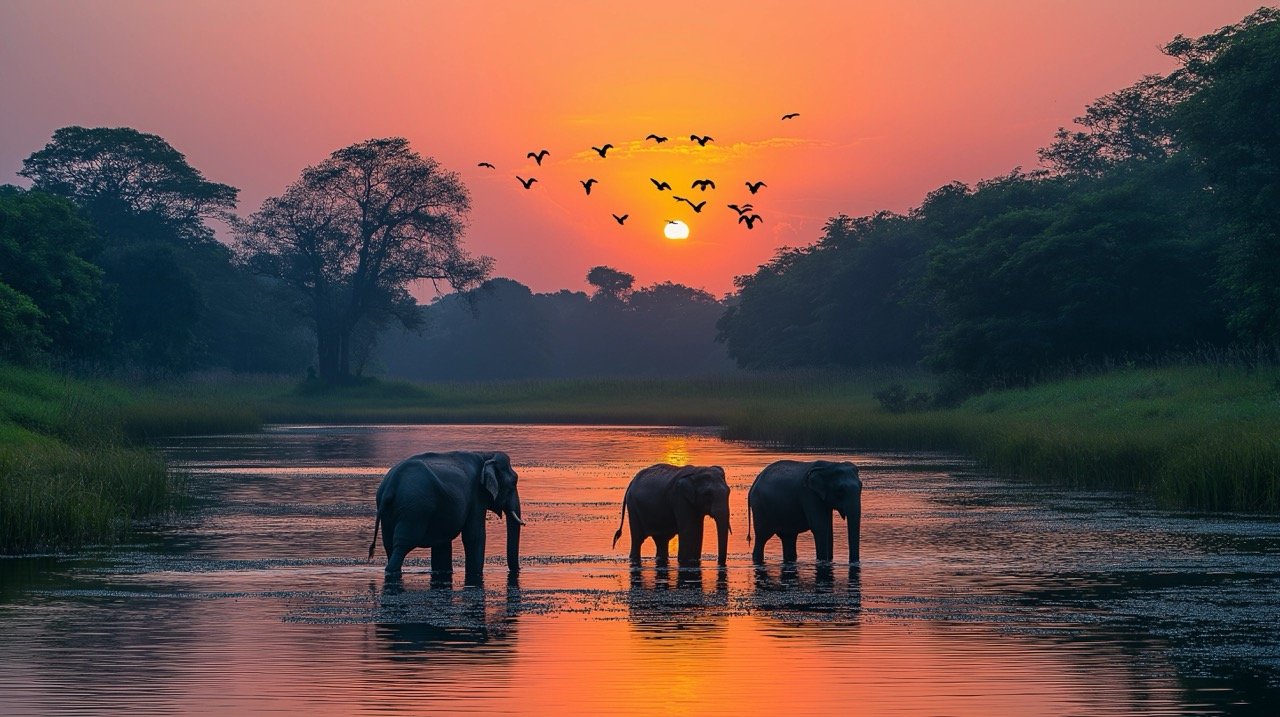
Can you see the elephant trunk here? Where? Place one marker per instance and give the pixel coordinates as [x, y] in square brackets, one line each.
[722, 538]
[854, 519]
[514, 522]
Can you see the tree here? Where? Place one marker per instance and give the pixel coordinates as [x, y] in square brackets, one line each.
[163, 269]
[133, 186]
[51, 293]
[1230, 127]
[611, 284]
[351, 234]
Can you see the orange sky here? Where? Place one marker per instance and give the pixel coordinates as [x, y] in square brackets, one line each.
[896, 98]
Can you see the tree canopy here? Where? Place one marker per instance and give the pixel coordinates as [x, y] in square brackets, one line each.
[352, 233]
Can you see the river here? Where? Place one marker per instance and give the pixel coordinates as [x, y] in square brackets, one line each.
[975, 596]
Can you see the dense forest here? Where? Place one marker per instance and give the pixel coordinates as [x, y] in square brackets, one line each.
[1152, 228]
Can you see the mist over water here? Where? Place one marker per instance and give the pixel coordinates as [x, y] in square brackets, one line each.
[975, 596]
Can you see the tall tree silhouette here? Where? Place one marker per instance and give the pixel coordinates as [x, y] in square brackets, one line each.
[351, 234]
[611, 284]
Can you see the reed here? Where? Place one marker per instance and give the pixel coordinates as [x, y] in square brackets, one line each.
[68, 476]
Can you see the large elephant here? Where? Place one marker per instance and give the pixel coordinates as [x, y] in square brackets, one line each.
[429, 499]
[667, 500]
[791, 497]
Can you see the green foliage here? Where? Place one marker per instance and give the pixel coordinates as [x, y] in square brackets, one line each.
[67, 477]
[134, 186]
[1153, 232]
[1229, 125]
[50, 295]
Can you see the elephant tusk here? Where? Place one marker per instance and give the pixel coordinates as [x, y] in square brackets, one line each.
[516, 517]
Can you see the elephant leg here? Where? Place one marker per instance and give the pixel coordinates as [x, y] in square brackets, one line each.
[473, 548]
[757, 552]
[662, 547]
[637, 539]
[442, 560]
[395, 560]
[824, 538]
[788, 547]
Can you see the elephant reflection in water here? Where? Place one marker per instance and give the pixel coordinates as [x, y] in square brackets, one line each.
[419, 625]
[667, 501]
[661, 608]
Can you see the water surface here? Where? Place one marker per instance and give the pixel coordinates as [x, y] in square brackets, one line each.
[975, 596]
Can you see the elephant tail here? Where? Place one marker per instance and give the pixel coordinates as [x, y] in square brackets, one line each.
[374, 544]
[621, 518]
[748, 519]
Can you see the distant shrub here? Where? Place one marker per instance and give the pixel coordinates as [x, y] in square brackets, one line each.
[897, 399]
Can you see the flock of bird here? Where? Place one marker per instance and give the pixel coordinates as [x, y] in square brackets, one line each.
[745, 211]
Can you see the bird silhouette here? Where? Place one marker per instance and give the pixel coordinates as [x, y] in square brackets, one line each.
[750, 219]
[702, 141]
[485, 164]
[538, 156]
[790, 115]
[702, 184]
[740, 209]
[527, 182]
[602, 150]
[586, 184]
[620, 219]
[656, 138]
[696, 207]
[660, 185]
[755, 187]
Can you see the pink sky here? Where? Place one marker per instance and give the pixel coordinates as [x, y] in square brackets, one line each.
[896, 98]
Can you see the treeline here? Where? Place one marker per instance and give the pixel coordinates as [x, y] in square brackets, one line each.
[108, 261]
[502, 330]
[1154, 228]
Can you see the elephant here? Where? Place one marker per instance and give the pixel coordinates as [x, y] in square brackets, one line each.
[427, 500]
[791, 497]
[667, 500]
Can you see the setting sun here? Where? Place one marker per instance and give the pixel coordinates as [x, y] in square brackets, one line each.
[676, 229]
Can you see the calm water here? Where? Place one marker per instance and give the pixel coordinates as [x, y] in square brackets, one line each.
[975, 597]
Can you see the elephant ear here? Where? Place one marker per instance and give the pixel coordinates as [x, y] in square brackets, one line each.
[814, 481]
[489, 479]
[684, 485]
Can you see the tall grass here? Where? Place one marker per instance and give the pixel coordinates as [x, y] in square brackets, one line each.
[68, 475]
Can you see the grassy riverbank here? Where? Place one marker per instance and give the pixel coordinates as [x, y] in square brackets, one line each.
[68, 474]
[1195, 437]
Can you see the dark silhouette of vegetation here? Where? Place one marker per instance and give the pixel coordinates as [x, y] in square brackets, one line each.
[167, 296]
[502, 330]
[351, 234]
[1153, 230]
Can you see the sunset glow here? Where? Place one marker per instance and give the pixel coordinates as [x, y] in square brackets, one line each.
[894, 99]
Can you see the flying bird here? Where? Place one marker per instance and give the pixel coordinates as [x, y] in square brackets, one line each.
[696, 207]
[740, 209]
[485, 164]
[537, 156]
[703, 184]
[790, 115]
[660, 185]
[620, 219]
[601, 150]
[656, 138]
[586, 184]
[527, 182]
[750, 219]
[755, 187]
[702, 141]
